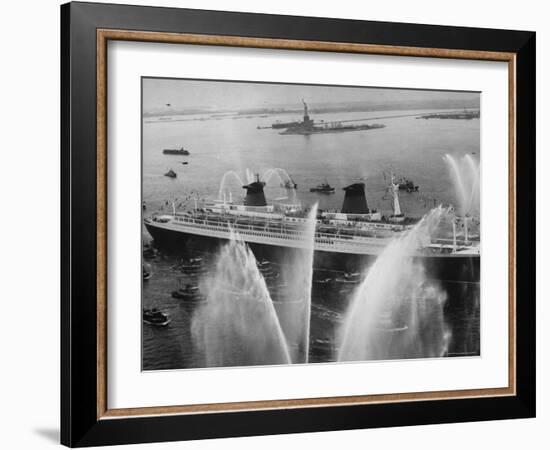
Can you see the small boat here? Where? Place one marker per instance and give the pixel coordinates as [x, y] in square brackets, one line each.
[289, 184]
[185, 162]
[192, 265]
[263, 263]
[323, 342]
[189, 292]
[194, 261]
[176, 151]
[143, 205]
[193, 271]
[349, 278]
[323, 188]
[170, 174]
[147, 274]
[271, 276]
[388, 324]
[155, 317]
[266, 269]
[149, 252]
[276, 287]
[406, 185]
[323, 281]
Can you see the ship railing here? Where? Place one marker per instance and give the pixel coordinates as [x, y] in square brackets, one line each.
[279, 227]
[279, 234]
[459, 242]
[285, 234]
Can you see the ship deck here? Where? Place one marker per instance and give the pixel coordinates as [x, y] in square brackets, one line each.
[280, 233]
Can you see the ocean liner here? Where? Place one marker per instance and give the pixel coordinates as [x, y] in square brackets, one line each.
[344, 240]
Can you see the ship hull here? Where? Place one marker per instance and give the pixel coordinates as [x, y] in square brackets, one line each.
[445, 268]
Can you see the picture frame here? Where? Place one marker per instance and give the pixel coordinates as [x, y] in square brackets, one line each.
[86, 418]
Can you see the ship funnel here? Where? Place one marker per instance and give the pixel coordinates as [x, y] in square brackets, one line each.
[355, 201]
[255, 193]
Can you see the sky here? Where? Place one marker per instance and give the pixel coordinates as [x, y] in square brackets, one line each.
[229, 95]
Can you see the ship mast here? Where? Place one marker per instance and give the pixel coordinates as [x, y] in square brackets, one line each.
[454, 234]
[466, 237]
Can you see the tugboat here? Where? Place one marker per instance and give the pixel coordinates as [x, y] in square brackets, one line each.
[189, 292]
[149, 252]
[176, 151]
[323, 281]
[406, 185]
[192, 266]
[146, 272]
[289, 184]
[388, 324]
[266, 269]
[170, 174]
[155, 317]
[349, 278]
[323, 188]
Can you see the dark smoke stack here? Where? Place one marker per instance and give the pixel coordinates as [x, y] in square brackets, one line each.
[355, 201]
[255, 193]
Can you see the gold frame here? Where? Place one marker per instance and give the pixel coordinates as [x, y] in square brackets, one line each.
[103, 36]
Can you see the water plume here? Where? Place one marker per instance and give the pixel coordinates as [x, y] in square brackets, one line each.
[223, 183]
[297, 275]
[238, 324]
[269, 173]
[282, 174]
[279, 186]
[249, 176]
[285, 181]
[396, 312]
[465, 176]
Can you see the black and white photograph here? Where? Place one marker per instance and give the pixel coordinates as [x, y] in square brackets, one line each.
[261, 224]
[300, 224]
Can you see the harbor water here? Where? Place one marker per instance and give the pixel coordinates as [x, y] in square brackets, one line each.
[407, 146]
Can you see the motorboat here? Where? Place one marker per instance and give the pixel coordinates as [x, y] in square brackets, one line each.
[147, 274]
[406, 185]
[149, 252]
[192, 266]
[155, 317]
[323, 188]
[349, 278]
[190, 292]
[323, 281]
